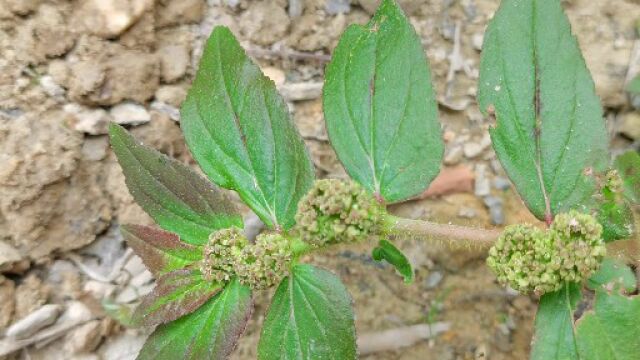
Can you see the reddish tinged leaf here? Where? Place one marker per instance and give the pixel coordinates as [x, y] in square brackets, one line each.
[177, 293]
[209, 333]
[175, 196]
[161, 251]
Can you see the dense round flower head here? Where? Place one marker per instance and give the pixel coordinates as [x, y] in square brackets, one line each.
[220, 253]
[533, 260]
[337, 211]
[580, 245]
[265, 263]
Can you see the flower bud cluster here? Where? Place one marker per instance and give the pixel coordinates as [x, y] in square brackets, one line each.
[260, 265]
[221, 252]
[533, 260]
[337, 211]
[265, 263]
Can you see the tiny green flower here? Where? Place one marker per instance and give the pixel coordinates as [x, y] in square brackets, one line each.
[220, 252]
[265, 263]
[337, 211]
[532, 260]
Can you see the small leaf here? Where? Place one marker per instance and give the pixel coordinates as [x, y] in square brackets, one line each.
[613, 272]
[122, 313]
[628, 166]
[239, 130]
[209, 333]
[176, 294]
[550, 135]
[310, 318]
[554, 337]
[177, 198]
[161, 251]
[380, 108]
[387, 251]
[634, 85]
[611, 330]
[617, 220]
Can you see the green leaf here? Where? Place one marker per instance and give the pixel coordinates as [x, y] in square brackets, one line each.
[550, 135]
[554, 337]
[310, 318]
[239, 130]
[634, 85]
[611, 330]
[160, 251]
[387, 251]
[628, 166]
[177, 198]
[209, 333]
[380, 108]
[122, 313]
[613, 272]
[176, 294]
[617, 220]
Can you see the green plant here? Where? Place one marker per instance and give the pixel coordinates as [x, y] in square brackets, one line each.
[381, 116]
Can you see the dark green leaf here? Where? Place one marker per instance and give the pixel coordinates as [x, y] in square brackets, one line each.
[611, 330]
[554, 337]
[628, 166]
[550, 135]
[209, 333]
[177, 198]
[380, 109]
[613, 272]
[310, 318]
[176, 294]
[387, 251]
[161, 251]
[239, 130]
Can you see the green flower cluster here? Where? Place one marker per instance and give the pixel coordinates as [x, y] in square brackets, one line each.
[220, 254]
[533, 260]
[336, 211]
[260, 265]
[265, 263]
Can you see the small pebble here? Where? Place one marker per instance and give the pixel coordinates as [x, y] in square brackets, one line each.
[334, 7]
[501, 183]
[30, 324]
[467, 213]
[129, 113]
[496, 212]
[472, 149]
[453, 156]
[482, 184]
[432, 281]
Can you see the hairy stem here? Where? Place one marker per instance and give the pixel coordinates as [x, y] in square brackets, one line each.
[451, 235]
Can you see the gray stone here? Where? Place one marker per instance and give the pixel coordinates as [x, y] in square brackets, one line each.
[482, 184]
[50, 87]
[433, 279]
[171, 111]
[630, 125]
[173, 95]
[472, 149]
[174, 62]
[501, 183]
[496, 210]
[453, 156]
[29, 325]
[129, 113]
[90, 121]
[467, 213]
[333, 7]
